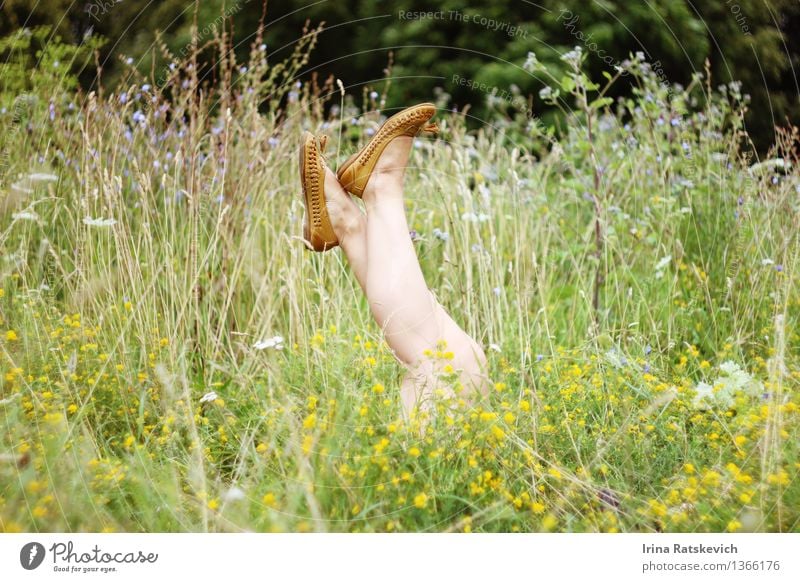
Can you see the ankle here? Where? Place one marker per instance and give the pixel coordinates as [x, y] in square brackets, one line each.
[385, 184]
[351, 224]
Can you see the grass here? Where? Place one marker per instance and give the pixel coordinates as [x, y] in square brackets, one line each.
[150, 240]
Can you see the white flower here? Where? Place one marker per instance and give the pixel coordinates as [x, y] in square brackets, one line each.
[36, 177]
[729, 367]
[209, 397]
[766, 262]
[21, 188]
[663, 262]
[769, 165]
[233, 494]
[661, 265]
[472, 217]
[732, 381]
[494, 348]
[531, 63]
[615, 358]
[704, 393]
[25, 216]
[100, 222]
[573, 57]
[275, 343]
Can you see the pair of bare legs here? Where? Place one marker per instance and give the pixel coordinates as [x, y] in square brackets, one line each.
[379, 249]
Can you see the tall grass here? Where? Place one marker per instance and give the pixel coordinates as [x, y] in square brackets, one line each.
[150, 238]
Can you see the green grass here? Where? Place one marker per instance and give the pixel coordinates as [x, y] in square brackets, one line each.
[110, 336]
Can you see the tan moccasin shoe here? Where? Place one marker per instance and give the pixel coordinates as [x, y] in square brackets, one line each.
[317, 231]
[356, 171]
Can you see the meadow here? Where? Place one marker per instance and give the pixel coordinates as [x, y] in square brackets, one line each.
[172, 358]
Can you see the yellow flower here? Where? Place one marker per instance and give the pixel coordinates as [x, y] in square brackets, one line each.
[213, 504]
[420, 501]
[537, 507]
[308, 442]
[269, 500]
[781, 478]
[555, 473]
[549, 522]
[261, 448]
[734, 525]
[378, 389]
[310, 421]
[11, 336]
[414, 452]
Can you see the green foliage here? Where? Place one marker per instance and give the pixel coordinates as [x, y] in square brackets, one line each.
[37, 61]
[149, 239]
[485, 41]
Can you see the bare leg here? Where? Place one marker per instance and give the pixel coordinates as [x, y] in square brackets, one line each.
[412, 320]
[350, 226]
[380, 252]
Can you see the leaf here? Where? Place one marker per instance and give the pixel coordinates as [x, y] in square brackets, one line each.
[567, 83]
[600, 102]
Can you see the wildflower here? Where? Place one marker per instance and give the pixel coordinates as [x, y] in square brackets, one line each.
[549, 522]
[734, 525]
[209, 397]
[269, 500]
[441, 235]
[275, 342]
[531, 64]
[99, 222]
[310, 421]
[414, 452]
[420, 501]
[780, 478]
[11, 335]
[661, 265]
[233, 494]
[573, 57]
[378, 389]
[41, 177]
